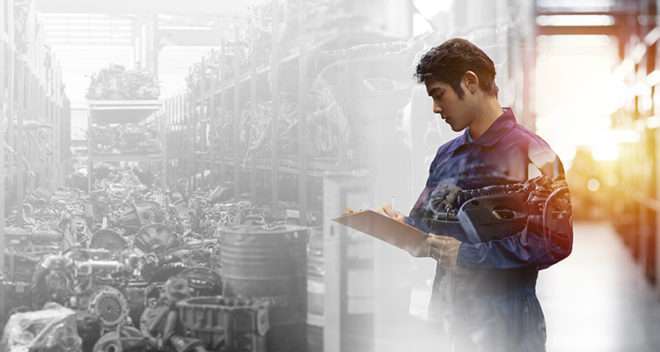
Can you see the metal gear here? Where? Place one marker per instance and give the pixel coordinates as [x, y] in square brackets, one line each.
[110, 305]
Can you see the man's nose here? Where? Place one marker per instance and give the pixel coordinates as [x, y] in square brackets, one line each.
[436, 108]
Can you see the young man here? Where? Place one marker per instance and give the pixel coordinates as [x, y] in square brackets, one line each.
[492, 299]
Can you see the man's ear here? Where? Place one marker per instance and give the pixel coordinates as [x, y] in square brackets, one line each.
[471, 81]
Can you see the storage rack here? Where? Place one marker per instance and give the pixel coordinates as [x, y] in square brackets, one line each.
[34, 112]
[195, 116]
[121, 112]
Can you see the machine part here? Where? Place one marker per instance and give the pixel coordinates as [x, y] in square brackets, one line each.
[152, 320]
[127, 218]
[99, 268]
[176, 289]
[203, 281]
[239, 324]
[554, 211]
[129, 339]
[80, 229]
[185, 344]
[153, 271]
[89, 329]
[108, 239]
[156, 238]
[78, 254]
[110, 305]
[115, 82]
[154, 324]
[50, 329]
[52, 281]
[497, 211]
[149, 212]
[493, 217]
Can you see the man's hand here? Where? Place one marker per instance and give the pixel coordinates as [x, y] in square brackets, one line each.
[387, 210]
[444, 249]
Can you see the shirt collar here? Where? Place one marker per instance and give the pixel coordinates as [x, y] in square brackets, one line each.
[492, 135]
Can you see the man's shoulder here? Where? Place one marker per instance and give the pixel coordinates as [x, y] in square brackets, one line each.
[530, 139]
[445, 149]
[539, 152]
[450, 145]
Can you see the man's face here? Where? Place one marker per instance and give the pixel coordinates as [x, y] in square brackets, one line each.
[454, 110]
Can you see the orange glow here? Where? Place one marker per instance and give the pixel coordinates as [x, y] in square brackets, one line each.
[605, 151]
[577, 94]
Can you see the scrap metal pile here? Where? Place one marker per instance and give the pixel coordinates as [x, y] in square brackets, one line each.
[130, 267]
[117, 83]
[127, 138]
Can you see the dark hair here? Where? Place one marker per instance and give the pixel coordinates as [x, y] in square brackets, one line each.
[449, 61]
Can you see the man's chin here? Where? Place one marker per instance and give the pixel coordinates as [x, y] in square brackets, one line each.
[455, 128]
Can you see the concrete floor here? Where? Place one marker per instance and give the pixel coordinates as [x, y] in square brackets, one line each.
[597, 299]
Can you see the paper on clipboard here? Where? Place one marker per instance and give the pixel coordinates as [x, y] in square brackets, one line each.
[384, 228]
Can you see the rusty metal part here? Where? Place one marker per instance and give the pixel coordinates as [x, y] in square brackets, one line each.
[110, 305]
[108, 239]
[155, 238]
[239, 324]
[203, 281]
[128, 339]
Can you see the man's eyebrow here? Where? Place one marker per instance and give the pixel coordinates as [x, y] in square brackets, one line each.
[433, 90]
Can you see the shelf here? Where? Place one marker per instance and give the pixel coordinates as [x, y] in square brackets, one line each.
[121, 111]
[123, 104]
[126, 157]
[242, 79]
[317, 168]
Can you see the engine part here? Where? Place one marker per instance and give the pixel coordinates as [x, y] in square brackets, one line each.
[488, 218]
[89, 329]
[52, 281]
[492, 212]
[108, 239]
[149, 212]
[203, 281]
[156, 238]
[110, 305]
[177, 289]
[136, 297]
[239, 324]
[129, 339]
[98, 268]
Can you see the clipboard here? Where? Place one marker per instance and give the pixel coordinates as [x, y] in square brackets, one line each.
[385, 229]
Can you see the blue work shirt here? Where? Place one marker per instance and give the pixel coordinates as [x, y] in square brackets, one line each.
[491, 303]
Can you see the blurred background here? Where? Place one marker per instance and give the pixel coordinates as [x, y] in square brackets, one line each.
[298, 109]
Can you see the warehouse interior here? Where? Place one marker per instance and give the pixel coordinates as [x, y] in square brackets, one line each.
[202, 149]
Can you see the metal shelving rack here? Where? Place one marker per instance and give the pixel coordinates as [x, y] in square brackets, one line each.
[197, 111]
[120, 112]
[34, 114]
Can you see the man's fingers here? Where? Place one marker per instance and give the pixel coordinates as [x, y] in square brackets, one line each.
[437, 240]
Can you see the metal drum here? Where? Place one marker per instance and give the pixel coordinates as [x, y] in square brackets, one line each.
[270, 262]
